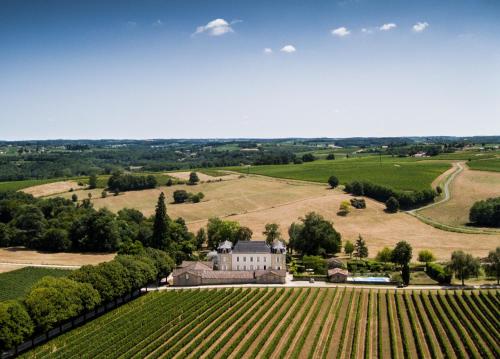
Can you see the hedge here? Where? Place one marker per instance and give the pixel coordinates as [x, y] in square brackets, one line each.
[439, 273]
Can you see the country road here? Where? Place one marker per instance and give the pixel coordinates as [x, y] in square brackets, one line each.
[446, 189]
[447, 196]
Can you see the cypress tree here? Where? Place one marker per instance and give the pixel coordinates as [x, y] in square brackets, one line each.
[160, 226]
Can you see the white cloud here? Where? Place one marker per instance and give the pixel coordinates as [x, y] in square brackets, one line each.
[268, 50]
[157, 23]
[387, 27]
[366, 31]
[420, 26]
[340, 32]
[215, 27]
[288, 49]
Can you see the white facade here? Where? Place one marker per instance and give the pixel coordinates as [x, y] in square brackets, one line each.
[241, 260]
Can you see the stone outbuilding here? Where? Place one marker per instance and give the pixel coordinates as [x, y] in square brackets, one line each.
[200, 273]
[337, 275]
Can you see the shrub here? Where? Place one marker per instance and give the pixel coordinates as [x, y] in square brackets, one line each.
[333, 181]
[193, 178]
[438, 273]
[344, 208]
[308, 157]
[392, 205]
[358, 203]
[180, 196]
[316, 263]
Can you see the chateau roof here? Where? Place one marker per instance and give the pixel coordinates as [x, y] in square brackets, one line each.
[251, 247]
[277, 244]
[225, 245]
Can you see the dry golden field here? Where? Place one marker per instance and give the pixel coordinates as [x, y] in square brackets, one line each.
[50, 189]
[254, 201]
[16, 257]
[468, 187]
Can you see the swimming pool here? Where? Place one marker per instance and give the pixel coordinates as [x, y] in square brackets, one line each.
[369, 279]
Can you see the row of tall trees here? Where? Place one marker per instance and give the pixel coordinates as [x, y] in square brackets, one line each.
[52, 301]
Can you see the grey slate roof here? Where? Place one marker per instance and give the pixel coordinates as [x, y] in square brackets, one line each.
[251, 247]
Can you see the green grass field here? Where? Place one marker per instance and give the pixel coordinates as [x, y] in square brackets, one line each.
[290, 323]
[465, 155]
[398, 173]
[16, 284]
[485, 165]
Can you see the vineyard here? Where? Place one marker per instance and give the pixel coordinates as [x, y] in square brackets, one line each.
[290, 323]
[16, 284]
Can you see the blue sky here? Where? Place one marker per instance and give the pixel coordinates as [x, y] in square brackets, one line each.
[171, 69]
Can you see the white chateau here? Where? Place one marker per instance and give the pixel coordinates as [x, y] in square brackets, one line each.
[250, 256]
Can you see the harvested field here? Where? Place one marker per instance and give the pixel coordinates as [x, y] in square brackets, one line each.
[50, 189]
[467, 187]
[221, 198]
[255, 200]
[287, 322]
[19, 257]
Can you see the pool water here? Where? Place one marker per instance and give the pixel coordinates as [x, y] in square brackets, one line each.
[369, 279]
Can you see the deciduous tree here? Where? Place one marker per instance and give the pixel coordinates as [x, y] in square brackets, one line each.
[349, 248]
[272, 232]
[464, 265]
[361, 250]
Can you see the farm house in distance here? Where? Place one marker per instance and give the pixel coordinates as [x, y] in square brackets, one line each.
[246, 262]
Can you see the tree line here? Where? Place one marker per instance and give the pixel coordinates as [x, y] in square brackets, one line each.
[59, 225]
[400, 199]
[486, 213]
[52, 301]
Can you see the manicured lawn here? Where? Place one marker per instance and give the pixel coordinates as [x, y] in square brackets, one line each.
[16, 284]
[400, 174]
